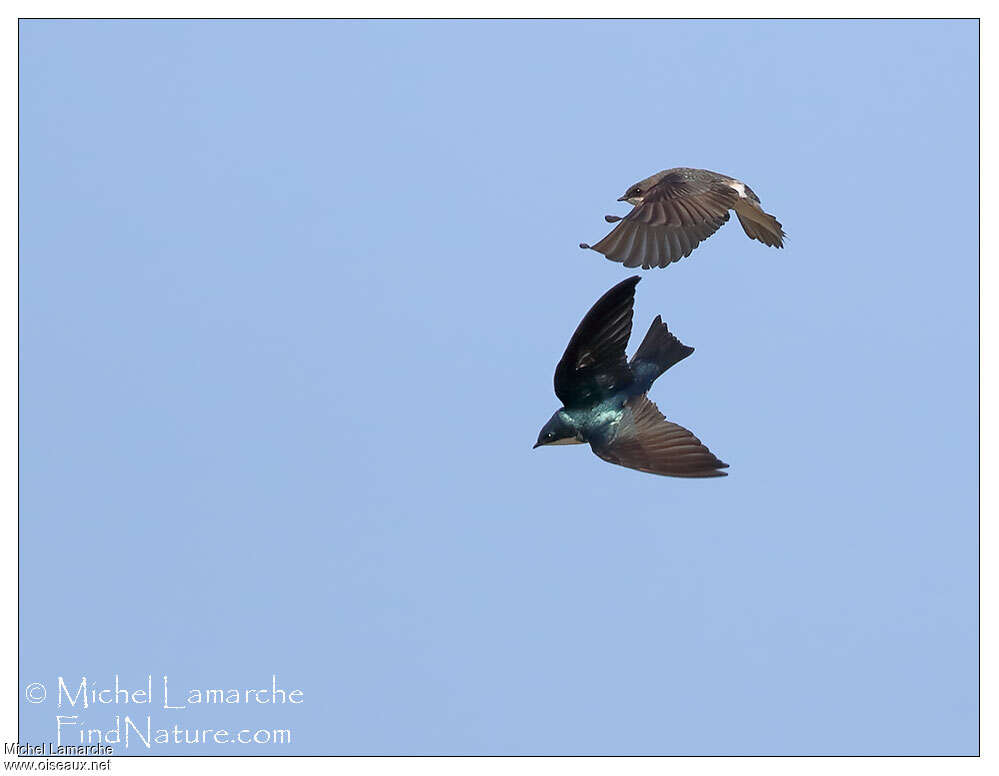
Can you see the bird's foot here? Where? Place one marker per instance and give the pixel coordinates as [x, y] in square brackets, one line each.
[612, 219]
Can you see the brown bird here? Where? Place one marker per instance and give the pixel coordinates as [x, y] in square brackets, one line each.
[675, 210]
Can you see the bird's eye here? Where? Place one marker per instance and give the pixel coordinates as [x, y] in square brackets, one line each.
[636, 192]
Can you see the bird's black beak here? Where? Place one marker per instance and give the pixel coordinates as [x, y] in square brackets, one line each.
[536, 445]
[622, 199]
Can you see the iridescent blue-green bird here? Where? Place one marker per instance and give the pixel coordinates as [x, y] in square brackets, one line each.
[603, 394]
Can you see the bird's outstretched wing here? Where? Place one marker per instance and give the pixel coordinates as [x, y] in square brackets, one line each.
[594, 363]
[643, 439]
[676, 215]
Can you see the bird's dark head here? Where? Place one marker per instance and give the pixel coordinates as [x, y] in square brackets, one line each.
[635, 195]
[559, 430]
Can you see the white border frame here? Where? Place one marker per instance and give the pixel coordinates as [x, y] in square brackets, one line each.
[910, 766]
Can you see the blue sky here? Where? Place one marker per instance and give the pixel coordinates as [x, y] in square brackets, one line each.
[291, 297]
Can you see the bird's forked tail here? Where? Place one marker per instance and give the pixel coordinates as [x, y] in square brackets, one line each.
[658, 351]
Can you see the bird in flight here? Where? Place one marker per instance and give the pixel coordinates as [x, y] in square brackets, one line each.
[603, 394]
[674, 210]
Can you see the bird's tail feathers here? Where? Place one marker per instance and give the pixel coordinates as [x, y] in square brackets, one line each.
[760, 225]
[660, 348]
